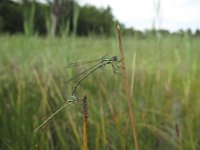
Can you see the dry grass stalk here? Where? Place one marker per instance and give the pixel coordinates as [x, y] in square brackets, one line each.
[127, 89]
[85, 126]
[133, 73]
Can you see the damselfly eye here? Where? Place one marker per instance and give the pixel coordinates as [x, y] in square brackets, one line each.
[115, 58]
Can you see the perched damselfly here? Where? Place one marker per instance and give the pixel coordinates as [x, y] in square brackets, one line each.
[113, 61]
[65, 105]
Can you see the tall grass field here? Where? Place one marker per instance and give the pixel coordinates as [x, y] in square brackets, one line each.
[165, 93]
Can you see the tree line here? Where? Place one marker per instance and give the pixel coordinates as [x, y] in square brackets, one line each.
[54, 18]
[65, 17]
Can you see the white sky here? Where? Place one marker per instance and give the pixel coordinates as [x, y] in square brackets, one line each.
[139, 14]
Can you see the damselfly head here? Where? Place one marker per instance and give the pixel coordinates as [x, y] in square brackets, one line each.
[74, 97]
[115, 58]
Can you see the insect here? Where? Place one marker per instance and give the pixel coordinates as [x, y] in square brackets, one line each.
[113, 61]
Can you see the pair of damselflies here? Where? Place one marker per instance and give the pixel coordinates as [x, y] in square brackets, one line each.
[113, 61]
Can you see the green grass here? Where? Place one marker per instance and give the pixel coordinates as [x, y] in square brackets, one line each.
[166, 93]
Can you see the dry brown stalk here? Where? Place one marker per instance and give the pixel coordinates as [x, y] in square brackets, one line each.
[85, 126]
[127, 89]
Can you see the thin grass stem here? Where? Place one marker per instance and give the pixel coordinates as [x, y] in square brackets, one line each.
[133, 73]
[127, 89]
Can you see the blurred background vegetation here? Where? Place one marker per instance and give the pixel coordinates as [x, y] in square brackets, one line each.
[54, 17]
[38, 40]
[65, 17]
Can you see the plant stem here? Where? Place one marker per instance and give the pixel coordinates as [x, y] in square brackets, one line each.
[127, 89]
[85, 127]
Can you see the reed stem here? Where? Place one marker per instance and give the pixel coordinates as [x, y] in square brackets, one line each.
[85, 125]
[127, 89]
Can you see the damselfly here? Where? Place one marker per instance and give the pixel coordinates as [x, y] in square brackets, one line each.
[66, 104]
[113, 61]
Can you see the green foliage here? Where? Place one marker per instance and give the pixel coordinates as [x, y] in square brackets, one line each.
[28, 17]
[132, 32]
[1, 24]
[12, 16]
[165, 94]
[34, 15]
[197, 33]
[95, 21]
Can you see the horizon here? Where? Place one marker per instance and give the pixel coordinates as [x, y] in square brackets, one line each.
[170, 15]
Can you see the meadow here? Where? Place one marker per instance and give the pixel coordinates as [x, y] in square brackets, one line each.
[164, 81]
